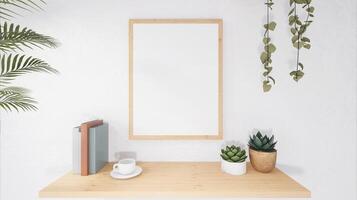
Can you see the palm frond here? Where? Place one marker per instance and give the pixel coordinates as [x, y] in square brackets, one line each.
[13, 37]
[15, 98]
[8, 8]
[12, 66]
[34, 4]
[6, 13]
[16, 90]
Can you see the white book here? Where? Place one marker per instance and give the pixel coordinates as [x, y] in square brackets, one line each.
[76, 150]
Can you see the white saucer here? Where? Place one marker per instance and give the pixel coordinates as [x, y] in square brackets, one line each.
[118, 175]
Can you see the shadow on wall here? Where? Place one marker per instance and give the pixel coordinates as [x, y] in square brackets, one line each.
[291, 170]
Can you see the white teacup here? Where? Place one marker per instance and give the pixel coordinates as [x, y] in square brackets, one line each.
[125, 166]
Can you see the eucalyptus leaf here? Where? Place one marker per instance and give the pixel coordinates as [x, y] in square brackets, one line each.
[293, 73]
[294, 38]
[302, 1]
[263, 57]
[301, 65]
[291, 20]
[297, 75]
[310, 9]
[307, 46]
[305, 39]
[269, 69]
[266, 40]
[300, 73]
[298, 22]
[266, 87]
[270, 48]
[302, 29]
[271, 26]
[298, 29]
[269, 59]
[298, 45]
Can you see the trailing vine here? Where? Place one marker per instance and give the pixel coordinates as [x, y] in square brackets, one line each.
[298, 29]
[269, 48]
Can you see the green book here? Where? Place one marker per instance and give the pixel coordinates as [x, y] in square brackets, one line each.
[98, 147]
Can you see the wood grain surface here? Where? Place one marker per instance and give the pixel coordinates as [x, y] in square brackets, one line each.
[178, 179]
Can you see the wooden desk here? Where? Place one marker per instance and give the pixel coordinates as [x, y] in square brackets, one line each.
[178, 179]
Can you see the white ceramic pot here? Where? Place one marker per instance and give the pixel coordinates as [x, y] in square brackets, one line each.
[234, 168]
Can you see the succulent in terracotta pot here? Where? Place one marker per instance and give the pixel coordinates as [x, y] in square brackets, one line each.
[262, 152]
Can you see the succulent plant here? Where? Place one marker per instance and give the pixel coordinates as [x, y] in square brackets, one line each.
[262, 143]
[233, 154]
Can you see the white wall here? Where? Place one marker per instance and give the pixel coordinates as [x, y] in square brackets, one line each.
[314, 120]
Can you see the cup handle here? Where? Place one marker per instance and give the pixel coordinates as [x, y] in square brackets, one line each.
[115, 166]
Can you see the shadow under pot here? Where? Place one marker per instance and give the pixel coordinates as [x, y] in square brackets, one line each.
[262, 161]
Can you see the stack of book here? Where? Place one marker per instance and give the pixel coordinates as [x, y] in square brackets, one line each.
[90, 147]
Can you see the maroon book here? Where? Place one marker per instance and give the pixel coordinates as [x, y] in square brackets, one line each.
[85, 144]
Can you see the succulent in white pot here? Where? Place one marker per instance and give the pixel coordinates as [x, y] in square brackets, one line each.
[233, 160]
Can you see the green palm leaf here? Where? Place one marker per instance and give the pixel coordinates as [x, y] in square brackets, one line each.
[13, 37]
[15, 98]
[8, 7]
[6, 13]
[12, 66]
[16, 90]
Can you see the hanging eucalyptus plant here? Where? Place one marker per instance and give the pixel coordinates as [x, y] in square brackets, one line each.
[14, 39]
[269, 48]
[298, 30]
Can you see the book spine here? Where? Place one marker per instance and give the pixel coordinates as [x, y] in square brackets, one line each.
[84, 150]
[85, 145]
[98, 148]
[92, 150]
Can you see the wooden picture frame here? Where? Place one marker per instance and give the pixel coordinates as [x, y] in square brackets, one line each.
[219, 135]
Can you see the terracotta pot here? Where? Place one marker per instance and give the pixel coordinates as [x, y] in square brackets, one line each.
[262, 161]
